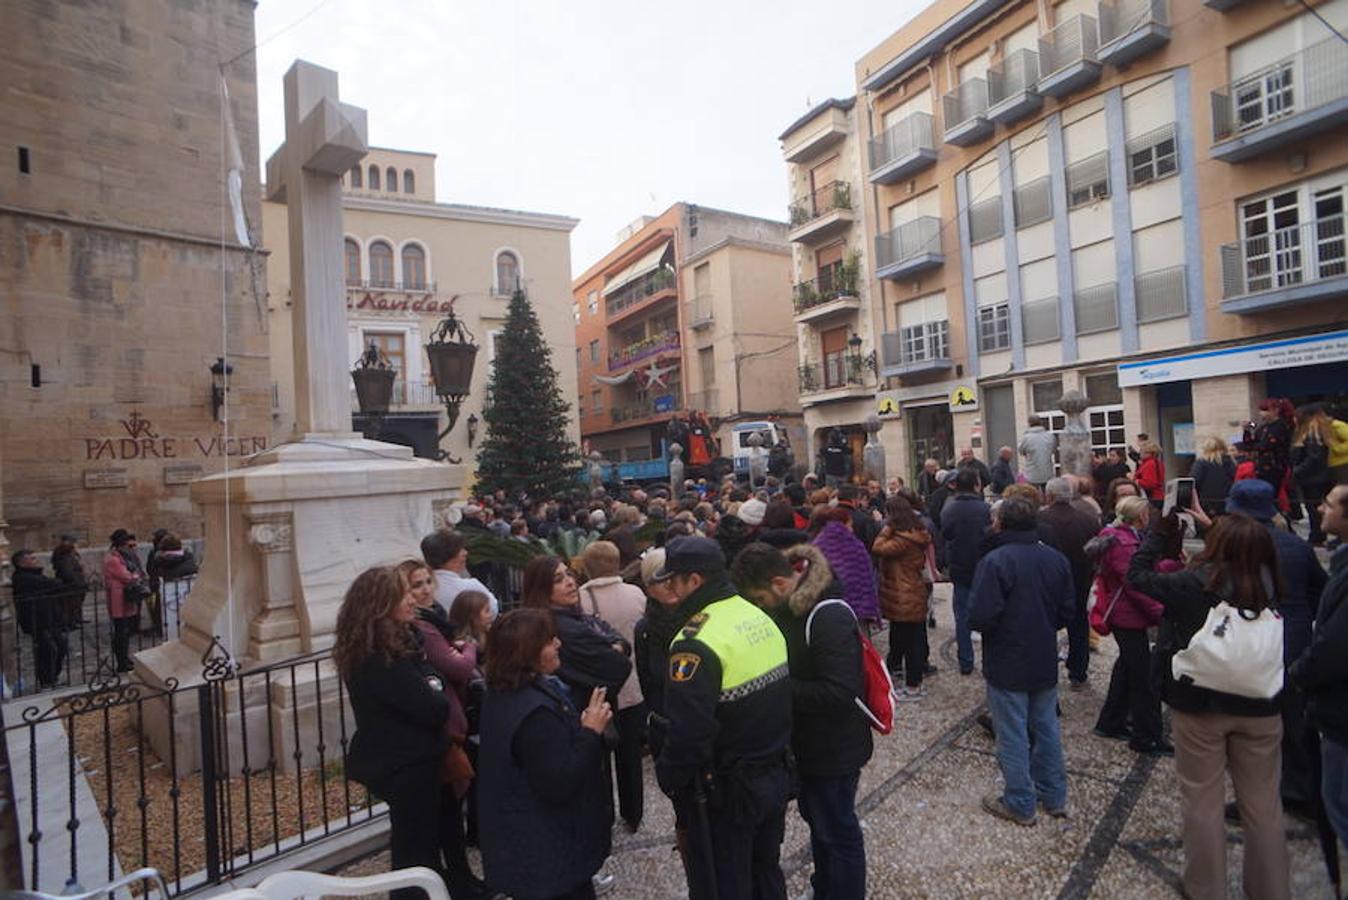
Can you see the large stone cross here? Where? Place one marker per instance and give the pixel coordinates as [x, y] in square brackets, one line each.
[324, 139]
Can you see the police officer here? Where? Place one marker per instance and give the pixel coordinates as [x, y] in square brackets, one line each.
[728, 702]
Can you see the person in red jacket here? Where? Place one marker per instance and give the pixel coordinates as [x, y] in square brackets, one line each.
[1151, 473]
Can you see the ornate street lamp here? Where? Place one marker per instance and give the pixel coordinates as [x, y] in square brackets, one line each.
[374, 376]
[452, 353]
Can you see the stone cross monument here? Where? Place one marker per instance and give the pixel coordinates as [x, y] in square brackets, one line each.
[288, 531]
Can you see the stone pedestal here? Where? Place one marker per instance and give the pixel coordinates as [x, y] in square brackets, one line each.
[300, 522]
[873, 454]
[1074, 441]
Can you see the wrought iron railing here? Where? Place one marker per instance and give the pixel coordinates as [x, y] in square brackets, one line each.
[820, 202]
[405, 395]
[967, 101]
[628, 412]
[924, 342]
[1018, 72]
[1161, 294]
[1096, 308]
[904, 137]
[638, 291]
[909, 240]
[643, 349]
[833, 281]
[1074, 41]
[1122, 17]
[1310, 78]
[415, 287]
[1297, 254]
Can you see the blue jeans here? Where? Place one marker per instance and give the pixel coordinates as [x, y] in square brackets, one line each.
[964, 644]
[1031, 771]
[828, 805]
[1334, 783]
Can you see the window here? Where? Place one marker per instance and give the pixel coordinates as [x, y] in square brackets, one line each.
[1104, 417]
[706, 367]
[575, 310]
[1103, 389]
[1039, 320]
[1044, 395]
[1088, 180]
[834, 345]
[1270, 226]
[352, 250]
[414, 267]
[985, 220]
[927, 341]
[391, 180]
[393, 344]
[355, 176]
[381, 265]
[592, 303]
[1097, 308]
[597, 401]
[1152, 156]
[1265, 97]
[994, 328]
[594, 351]
[577, 359]
[1033, 203]
[507, 273]
[374, 178]
[409, 182]
[1160, 295]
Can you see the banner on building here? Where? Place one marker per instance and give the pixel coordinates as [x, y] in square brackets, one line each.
[1310, 350]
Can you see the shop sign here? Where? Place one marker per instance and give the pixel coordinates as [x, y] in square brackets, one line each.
[427, 306]
[887, 404]
[964, 399]
[1310, 350]
[98, 479]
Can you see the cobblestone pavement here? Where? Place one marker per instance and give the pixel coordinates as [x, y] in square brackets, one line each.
[926, 835]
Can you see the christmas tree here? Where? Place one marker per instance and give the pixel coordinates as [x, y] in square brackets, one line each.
[526, 448]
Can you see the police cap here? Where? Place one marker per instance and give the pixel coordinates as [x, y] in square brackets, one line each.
[688, 554]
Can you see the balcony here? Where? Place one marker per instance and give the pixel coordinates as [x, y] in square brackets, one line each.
[821, 214]
[1067, 57]
[1291, 266]
[822, 298]
[1298, 96]
[407, 287]
[916, 350]
[1161, 295]
[1039, 322]
[708, 401]
[645, 409]
[649, 348]
[1012, 87]
[407, 397]
[823, 132]
[646, 288]
[904, 149]
[700, 314]
[965, 113]
[1096, 308]
[1132, 28]
[911, 248]
[840, 377]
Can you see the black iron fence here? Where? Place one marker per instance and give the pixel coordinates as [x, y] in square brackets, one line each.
[201, 782]
[76, 637]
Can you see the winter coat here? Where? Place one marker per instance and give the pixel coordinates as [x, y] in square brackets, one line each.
[1150, 478]
[864, 525]
[1068, 530]
[1037, 446]
[1212, 482]
[783, 538]
[116, 576]
[1186, 602]
[1271, 443]
[35, 600]
[1303, 580]
[964, 521]
[733, 534]
[1002, 475]
[1021, 595]
[984, 476]
[1133, 609]
[1310, 467]
[936, 502]
[851, 564]
[456, 667]
[1321, 672]
[903, 559]
[170, 565]
[589, 658]
[544, 799]
[1105, 473]
[926, 484]
[69, 570]
[830, 736]
[400, 718]
[621, 605]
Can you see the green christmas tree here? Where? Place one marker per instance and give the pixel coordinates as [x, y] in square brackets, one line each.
[526, 448]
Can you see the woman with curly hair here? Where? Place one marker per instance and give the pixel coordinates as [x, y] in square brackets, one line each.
[400, 709]
[1271, 444]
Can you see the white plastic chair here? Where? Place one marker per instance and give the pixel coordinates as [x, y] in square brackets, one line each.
[146, 874]
[295, 885]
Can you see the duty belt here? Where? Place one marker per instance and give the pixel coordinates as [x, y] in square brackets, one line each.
[753, 685]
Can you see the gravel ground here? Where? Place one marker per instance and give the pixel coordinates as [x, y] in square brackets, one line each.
[927, 837]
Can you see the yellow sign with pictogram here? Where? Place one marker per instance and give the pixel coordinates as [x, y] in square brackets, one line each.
[886, 404]
[963, 399]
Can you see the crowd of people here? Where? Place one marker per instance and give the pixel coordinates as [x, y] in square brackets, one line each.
[726, 632]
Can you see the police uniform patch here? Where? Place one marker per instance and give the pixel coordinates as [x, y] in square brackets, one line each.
[683, 666]
[694, 625]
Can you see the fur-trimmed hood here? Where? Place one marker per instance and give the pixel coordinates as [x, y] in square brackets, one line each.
[815, 580]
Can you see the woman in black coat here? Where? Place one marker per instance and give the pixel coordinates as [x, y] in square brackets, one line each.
[545, 798]
[400, 709]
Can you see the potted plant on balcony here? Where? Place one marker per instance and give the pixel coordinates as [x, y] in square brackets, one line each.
[842, 195]
[805, 296]
[846, 279]
[809, 378]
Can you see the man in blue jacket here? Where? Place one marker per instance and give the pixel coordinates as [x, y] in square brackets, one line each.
[964, 521]
[1022, 594]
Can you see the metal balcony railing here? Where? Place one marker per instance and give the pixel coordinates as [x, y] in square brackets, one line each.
[639, 290]
[1297, 254]
[417, 287]
[1074, 41]
[1123, 17]
[909, 240]
[838, 370]
[707, 401]
[833, 281]
[985, 220]
[643, 349]
[1033, 202]
[405, 395]
[967, 101]
[1018, 72]
[908, 135]
[1298, 83]
[646, 408]
[1039, 323]
[1097, 308]
[925, 342]
[820, 202]
[1160, 295]
[701, 311]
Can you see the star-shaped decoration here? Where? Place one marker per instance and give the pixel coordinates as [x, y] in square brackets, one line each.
[655, 374]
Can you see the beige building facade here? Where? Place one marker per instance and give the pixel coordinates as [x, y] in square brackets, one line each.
[118, 290]
[1140, 199]
[686, 314]
[409, 260]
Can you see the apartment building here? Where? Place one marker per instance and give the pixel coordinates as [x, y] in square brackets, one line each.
[409, 261]
[1138, 199]
[686, 313]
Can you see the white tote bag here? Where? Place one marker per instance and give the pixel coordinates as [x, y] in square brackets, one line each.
[1235, 652]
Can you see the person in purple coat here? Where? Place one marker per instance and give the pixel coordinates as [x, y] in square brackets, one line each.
[849, 559]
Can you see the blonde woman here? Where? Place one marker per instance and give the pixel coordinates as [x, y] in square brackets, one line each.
[1213, 473]
[1311, 444]
[1151, 473]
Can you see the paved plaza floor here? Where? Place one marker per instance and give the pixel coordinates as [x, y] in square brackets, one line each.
[927, 836]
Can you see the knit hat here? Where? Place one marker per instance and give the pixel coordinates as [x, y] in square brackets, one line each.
[1254, 497]
[752, 510]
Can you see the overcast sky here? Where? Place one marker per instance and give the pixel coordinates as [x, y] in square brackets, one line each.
[604, 111]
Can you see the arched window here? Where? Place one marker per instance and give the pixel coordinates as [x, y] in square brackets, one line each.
[355, 176]
[391, 180]
[414, 267]
[507, 272]
[409, 182]
[381, 264]
[374, 178]
[352, 258]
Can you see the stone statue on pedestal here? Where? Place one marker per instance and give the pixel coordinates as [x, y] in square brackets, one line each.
[675, 470]
[1074, 441]
[873, 454]
[758, 460]
[596, 469]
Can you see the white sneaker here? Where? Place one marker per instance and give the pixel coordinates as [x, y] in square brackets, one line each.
[603, 883]
[910, 694]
